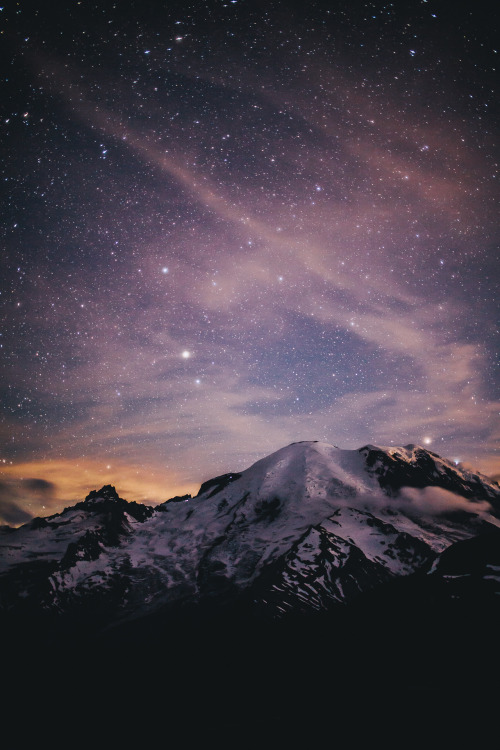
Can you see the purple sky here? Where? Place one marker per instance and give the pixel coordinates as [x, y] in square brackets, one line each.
[228, 226]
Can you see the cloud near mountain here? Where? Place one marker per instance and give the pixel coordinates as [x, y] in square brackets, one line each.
[438, 501]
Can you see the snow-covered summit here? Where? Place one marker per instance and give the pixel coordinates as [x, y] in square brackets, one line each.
[317, 470]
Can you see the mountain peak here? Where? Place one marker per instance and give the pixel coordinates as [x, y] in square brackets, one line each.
[106, 493]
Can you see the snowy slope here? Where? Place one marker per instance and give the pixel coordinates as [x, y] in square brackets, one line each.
[308, 526]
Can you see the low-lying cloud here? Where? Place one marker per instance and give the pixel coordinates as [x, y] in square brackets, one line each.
[438, 501]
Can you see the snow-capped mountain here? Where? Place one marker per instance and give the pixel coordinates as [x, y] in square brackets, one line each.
[316, 589]
[303, 530]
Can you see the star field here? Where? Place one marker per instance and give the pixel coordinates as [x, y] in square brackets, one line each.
[228, 226]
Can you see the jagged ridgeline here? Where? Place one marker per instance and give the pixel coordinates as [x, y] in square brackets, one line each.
[303, 530]
[311, 556]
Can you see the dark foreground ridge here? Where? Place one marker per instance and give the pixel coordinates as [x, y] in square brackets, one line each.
[401, 657]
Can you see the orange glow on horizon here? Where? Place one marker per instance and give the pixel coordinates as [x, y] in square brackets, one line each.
[72, 480]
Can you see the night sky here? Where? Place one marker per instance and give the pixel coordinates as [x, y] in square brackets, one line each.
[227, 226]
